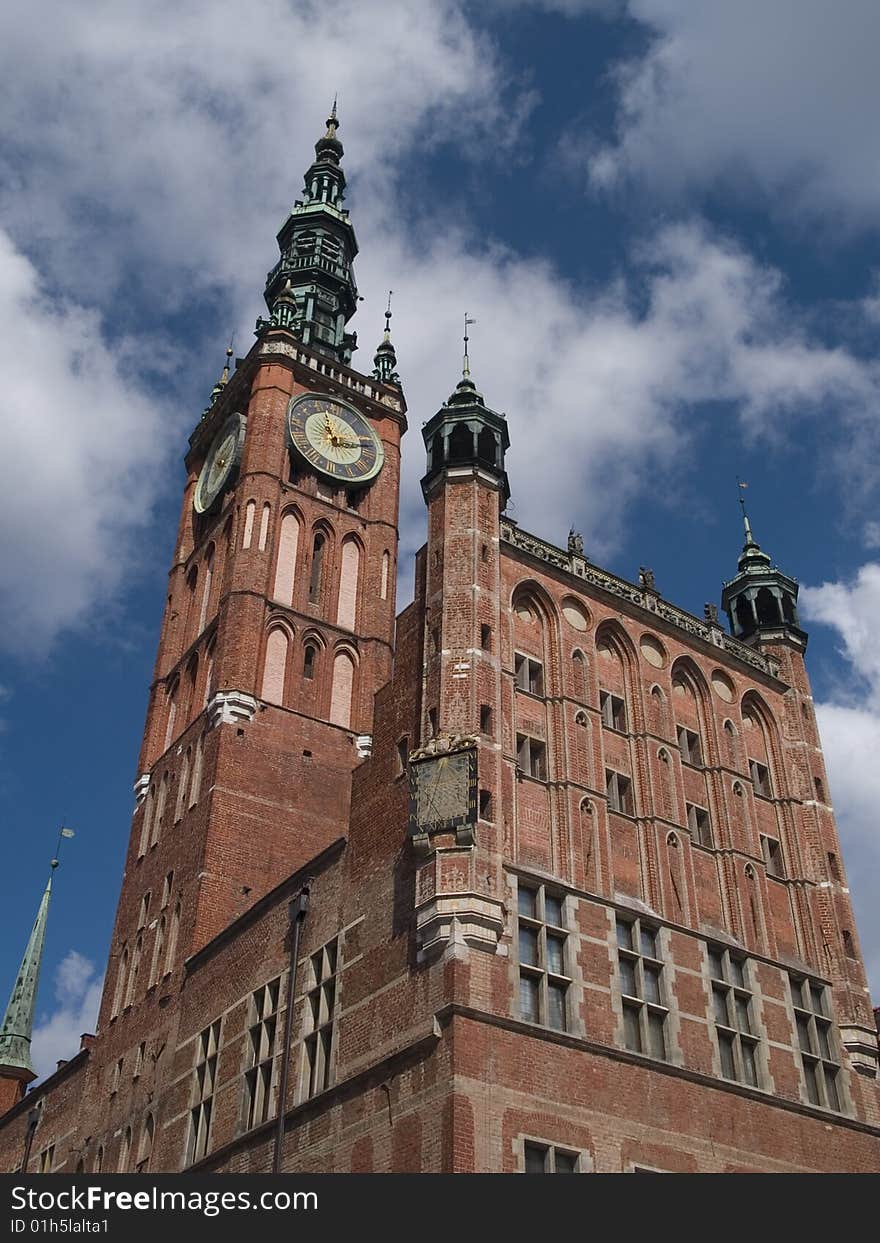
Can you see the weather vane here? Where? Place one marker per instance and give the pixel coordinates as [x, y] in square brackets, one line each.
[466, 365]
[62, 833]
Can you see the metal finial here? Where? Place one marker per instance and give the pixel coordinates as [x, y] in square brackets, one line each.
[62, 833]
[466, 364]
[742, 501]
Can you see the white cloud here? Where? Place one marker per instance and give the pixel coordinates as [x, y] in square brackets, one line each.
[780, 97]
[850, 728]
[82, 448]
[78, 996]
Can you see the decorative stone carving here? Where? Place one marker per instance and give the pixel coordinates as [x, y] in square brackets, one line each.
[140, 788]
[459, 919]
[364, 745]
[861, 1047]
[231, 707]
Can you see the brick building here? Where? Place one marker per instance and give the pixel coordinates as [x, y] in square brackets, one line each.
[547, 863]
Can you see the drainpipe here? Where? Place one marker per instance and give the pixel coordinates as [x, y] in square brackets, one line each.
[32, 1121]
[298, 907]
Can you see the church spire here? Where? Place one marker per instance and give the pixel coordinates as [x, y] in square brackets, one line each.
[18, 1021]
[311, 291]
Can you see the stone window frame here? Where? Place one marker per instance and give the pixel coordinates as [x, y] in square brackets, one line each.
[538, 917]
[203, 1088]
[579, 1160]
[263, 1044]
[731, 989]
[821, 1062]
[321, 1017]
[647, 1003]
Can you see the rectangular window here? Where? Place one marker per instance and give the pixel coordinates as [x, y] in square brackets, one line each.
[528, 674]
[689, 746]
[641, 988]
[263, 1043]
[139, 1060]
[618, 790]
[116, 1076]
[732, 1011]
[322, 1005]
[485, 719]
[204, 1082]
[613, 711]
[47, 1159]
[541, 938]
[548, 1159]
[531, 757]
[699, 825]
[772, 856]
[760, 775]
[819, 1056]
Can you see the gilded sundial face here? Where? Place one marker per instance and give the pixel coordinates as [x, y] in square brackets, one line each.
[334, 439]
[443, 791]
[220, 464]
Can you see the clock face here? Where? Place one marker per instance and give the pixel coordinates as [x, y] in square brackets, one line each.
[334, 439]
[443, 792]
[220, 464]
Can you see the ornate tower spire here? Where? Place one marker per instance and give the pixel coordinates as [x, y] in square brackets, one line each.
[311, 291]
[222, 381]
[465, 436]
[18, 1021]
[385, 361]
[761, 601]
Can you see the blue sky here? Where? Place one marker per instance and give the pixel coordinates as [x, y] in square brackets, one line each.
[663, 217]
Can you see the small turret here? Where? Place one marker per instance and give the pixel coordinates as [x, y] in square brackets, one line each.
[761, 601]
[385, 361]
[465, 434]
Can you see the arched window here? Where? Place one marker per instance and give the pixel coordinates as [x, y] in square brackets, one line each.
[119, 991]
[172, 940]
[249, 512]
[172, 713]
[767, 607]
[182, 785]
[348, 584]
[285, 569]
[125, 1151]
[209, 674]
[579, 668]
[275, 667]
[135, 968]
[146, 1147]
[264, 527]
[383, 584]
[158, 950]
[191, 583]
[317, 567]
[487, 447]
[195, 785]
[189, 690]
[309, 654]
[461, 444]
[99, 1159]
[160, 810]
[207, 580]
[343, 685]
[149, 812]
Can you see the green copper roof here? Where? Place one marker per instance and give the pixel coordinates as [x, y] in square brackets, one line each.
[18, 1022]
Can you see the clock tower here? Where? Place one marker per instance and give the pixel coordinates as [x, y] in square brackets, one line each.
[279, 617]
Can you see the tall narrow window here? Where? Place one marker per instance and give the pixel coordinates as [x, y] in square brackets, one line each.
[771, 848]
[125, 1151]
[264, 528]
[641, 988]
[579, 668]
[207, 581]
[202, 1101]
[275, 667]
[819, 1057]
[135, 968]
[172, 715]
[121, 975]
[309, 653]
[734, 1022]
[343, 684]
[183, 785]
[383, 582]
[541, 938]
[172, 941]
[285, 569]
[346, 611]
[317, 568]
[149, 811]
[249, 511]
[263, 1044]
[699, 825]
[322, 1003]
[195, 785]
[158, 951]
[161, 801]
[146, 1147]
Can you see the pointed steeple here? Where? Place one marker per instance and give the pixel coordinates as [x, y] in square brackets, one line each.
[466, 435]
[760, 601]
[18, 1021]
[385, 361]
[222, 381]
[311, 291]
